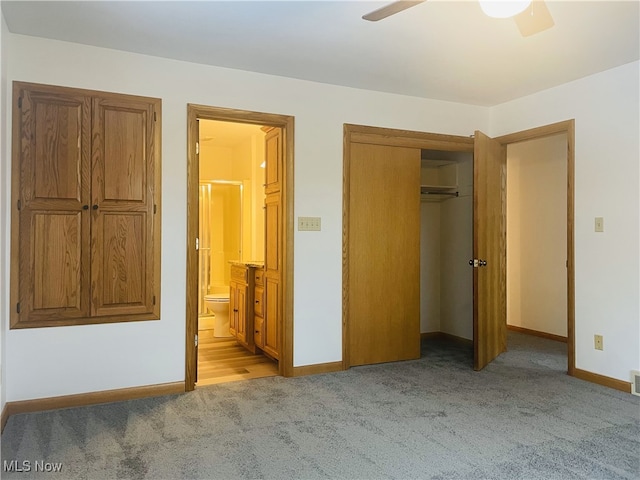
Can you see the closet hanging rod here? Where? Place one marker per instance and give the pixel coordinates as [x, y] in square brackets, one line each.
[454, 194]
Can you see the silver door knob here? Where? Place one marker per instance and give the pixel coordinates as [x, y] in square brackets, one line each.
[475, 263]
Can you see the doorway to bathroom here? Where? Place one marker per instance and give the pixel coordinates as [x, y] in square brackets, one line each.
[239, 270]
[227, 213]
[231, 237]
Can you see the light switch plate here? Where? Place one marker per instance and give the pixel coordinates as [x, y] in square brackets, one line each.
[309, 224]
[599, 224]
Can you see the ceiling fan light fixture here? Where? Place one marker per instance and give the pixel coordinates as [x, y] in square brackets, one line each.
[503, 8]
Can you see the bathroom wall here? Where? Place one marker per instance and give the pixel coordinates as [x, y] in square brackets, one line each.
[233, 152]
[215, 161]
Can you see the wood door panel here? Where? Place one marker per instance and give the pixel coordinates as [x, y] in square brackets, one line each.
[489, 244]
[124, 155]
[241, 305]
[233, 308]
[384, 254]
[55, 136]
[58, 283]
[50, 249]
[121, 152]
[273, 167]
[272, 274]
[58, 158]
[273, 214]
[259, 301]
[57, 260]
[258, 336]
[271, 333]
[120, 264]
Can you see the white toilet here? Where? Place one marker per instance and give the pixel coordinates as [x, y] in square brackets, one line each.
[218, 303]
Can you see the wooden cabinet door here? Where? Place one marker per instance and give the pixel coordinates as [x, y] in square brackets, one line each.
[86, 238]
[122, 208]
[489, 245]
[384, 254]
[258, 302]
[273, 166]
[272, 274]
[241, 325]
[258, 308]
[271, 331]
[233, 308]
[50, 226]
[259, 332]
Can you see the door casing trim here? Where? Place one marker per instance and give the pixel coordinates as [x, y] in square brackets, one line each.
[567, 127]
[407, 138]
[286, 123]
[380, 136]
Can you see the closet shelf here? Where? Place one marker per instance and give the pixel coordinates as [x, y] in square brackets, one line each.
[448, 190]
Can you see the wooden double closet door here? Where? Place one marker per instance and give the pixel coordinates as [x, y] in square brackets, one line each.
[85, 232]
[381, 265]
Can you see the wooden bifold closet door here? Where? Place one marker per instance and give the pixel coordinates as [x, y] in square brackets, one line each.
[384, 254]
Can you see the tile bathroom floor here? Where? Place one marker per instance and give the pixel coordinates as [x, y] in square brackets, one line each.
[222, 360]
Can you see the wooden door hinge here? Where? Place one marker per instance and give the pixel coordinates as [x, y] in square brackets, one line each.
[197, 148]
[196, 340]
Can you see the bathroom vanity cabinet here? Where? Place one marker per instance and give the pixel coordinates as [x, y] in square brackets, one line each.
[258, 309]
[240, 311]
[248, 310]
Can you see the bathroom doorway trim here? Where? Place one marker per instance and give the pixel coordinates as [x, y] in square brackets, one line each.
[286, 123]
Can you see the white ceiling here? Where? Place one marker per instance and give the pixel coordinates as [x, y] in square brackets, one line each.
[441, 49]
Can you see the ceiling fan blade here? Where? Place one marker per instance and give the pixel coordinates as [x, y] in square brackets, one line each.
[535, 19]
[389, 10]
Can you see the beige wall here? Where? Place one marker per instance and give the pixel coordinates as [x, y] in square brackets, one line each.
[605, 107]
[456, 239]
[537, 235]
[429, 267]
[4, 212]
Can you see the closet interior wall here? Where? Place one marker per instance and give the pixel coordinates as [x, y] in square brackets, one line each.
[446, 244]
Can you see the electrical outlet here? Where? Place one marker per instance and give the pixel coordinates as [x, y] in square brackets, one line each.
[309, 224]
[597, 342]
